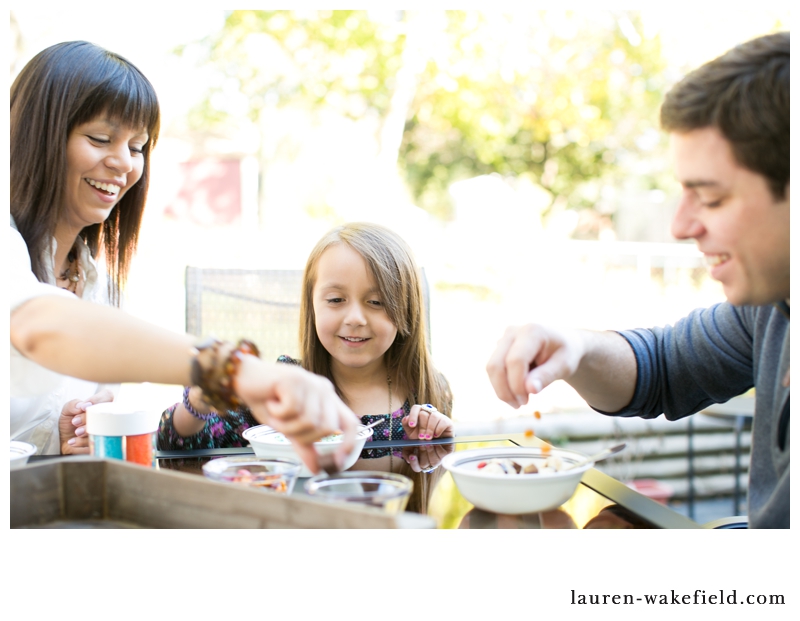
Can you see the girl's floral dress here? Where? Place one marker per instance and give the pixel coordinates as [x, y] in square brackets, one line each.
[219, 432]
[226, 431]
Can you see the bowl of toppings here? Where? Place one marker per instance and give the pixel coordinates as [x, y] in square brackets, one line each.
[267, 442]
[384, 490]
[20, 452]
[275, 475]
[516, 480]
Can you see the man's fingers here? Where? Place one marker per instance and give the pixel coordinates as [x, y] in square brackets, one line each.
[523, 353]
[554, 368]
[496, 368]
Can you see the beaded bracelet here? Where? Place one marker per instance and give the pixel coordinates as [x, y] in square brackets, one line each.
[187, 404]
[216, 380]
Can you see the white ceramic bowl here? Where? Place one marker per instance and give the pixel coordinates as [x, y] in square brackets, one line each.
[513, 493]
[267, 442]
[20, 451]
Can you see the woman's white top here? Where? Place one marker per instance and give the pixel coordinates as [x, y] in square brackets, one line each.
[38, 394]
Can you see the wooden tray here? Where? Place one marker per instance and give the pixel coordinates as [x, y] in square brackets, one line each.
[85, 492]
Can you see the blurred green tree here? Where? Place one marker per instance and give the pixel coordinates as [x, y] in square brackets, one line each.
[339, 59]
[565, 99]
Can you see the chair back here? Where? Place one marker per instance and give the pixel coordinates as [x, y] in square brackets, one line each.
[261, 305]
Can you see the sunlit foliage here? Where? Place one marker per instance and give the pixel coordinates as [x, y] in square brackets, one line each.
[565, 99]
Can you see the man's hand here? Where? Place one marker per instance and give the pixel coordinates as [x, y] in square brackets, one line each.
[529, 358]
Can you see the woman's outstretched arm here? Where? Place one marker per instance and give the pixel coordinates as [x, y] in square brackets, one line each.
[98, 343]
[106, 345]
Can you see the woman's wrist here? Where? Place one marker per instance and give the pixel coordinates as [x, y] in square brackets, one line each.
[254, 379]
[216, 366]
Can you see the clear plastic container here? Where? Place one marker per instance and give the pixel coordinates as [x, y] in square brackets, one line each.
[384, 490]
[119, 432]
[276, 475]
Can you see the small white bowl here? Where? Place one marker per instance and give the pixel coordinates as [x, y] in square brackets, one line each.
[20, 452]
[267, 442]
[515, 493]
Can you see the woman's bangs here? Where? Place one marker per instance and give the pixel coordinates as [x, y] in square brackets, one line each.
[133, 102]
[123, 95]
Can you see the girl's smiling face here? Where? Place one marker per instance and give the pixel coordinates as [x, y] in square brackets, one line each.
[104, 160]
[351, 321]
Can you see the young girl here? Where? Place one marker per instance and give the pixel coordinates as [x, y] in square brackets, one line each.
[363, 327]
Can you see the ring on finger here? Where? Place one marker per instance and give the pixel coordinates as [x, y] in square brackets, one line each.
[428, 408]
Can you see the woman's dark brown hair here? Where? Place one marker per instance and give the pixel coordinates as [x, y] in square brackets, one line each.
[745, 95]
[64, 86]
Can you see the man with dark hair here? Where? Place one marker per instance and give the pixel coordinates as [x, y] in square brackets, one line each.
[744, 94]
[729, 132]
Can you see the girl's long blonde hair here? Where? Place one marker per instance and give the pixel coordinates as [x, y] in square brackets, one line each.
[397, 276]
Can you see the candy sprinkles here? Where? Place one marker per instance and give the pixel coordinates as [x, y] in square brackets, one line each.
[119, 433]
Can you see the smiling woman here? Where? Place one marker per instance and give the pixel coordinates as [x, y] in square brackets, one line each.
[81, 114]
[83, 122]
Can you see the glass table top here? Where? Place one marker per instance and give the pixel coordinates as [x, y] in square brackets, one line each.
[598, 502]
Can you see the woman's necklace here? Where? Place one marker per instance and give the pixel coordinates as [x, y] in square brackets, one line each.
[72, 275]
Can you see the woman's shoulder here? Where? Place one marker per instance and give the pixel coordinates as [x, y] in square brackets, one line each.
[17, 244]
[289, 360]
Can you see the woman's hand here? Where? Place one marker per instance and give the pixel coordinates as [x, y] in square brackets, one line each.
[302, 406]
[425, 422]
[73, 438]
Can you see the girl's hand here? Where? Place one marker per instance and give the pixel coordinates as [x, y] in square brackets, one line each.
[427, 457]
[72, 423]
[425, 422]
